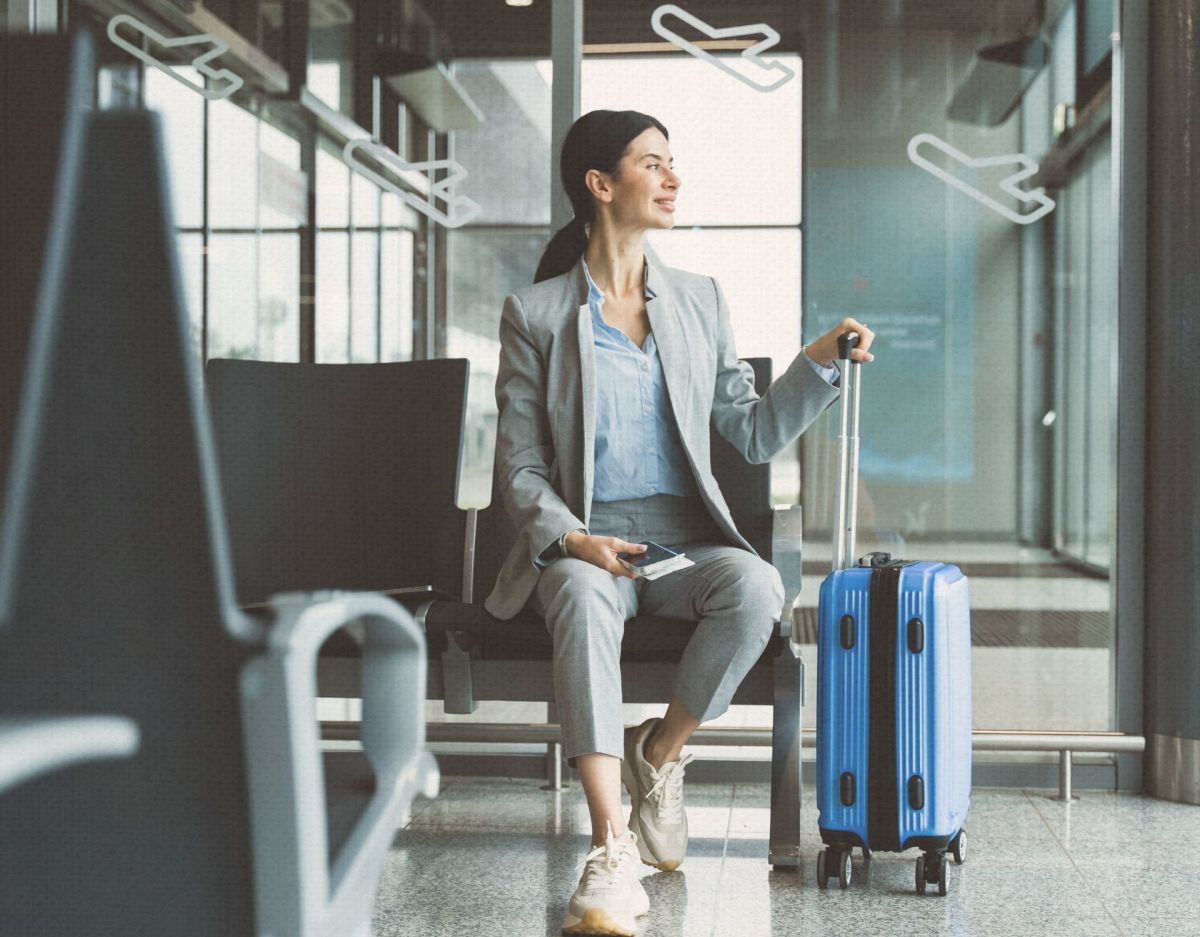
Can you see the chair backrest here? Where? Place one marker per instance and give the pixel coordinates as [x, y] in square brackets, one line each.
[44, 83]
[747, 490]
[119, 597]
[341, 476]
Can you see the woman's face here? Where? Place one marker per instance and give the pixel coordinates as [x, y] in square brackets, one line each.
[643, 192]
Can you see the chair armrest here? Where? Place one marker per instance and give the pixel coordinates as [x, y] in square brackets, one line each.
[787, 535]
[298, 891]
[468, 577]
[34, 746]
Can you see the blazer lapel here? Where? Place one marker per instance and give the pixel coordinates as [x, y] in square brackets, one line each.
[586, 409]
[671, 339]
[587, 389]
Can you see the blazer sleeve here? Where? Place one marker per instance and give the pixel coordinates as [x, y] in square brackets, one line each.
[760, 427]
[524, 447]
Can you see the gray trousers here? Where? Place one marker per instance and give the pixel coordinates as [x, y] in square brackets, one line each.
[734, 596]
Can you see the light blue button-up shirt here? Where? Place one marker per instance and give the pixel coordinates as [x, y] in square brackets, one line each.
[638, 450]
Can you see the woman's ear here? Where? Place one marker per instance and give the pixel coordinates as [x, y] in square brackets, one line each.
[599, 184]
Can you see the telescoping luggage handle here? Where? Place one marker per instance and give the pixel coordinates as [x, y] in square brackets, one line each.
[847, 482]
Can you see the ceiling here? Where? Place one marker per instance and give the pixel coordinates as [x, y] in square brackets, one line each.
[492, 29]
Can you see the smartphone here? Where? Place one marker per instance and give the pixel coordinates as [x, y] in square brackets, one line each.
[655, 553]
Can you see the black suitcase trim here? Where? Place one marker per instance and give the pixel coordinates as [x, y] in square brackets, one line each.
[883, 800]
[929, 843]
[840, 838]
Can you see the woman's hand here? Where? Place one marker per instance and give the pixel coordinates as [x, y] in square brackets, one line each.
[602, 551]
[825, 349]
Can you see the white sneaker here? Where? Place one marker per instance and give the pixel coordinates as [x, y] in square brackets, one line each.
[657, 817]
[610, 896]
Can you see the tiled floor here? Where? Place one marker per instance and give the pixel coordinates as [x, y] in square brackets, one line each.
[500, 857]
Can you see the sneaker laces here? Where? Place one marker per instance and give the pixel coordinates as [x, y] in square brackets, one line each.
[667, 792]
[606, 867]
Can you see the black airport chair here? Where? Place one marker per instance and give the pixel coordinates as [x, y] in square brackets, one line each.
[117, 603]
[44, 82]
[306, 450]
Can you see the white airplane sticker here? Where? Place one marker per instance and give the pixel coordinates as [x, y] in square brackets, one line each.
[460, 209]
[1009, 185]
[224, 82]
[750, 54]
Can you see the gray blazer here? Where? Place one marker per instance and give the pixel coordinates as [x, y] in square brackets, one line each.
[546, 392]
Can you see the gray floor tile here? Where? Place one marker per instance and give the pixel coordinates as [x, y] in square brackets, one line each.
[494, 856]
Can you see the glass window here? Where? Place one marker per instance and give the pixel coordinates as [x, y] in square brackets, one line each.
[333, 297]
[279, 298]
[191, 267]
[364, 201]
[967, 295]
[364, 296]
[232, 166]
[738, 210]
[330, 53]
[233, 285]
[396, 296]
[333, 190]
[182, 113]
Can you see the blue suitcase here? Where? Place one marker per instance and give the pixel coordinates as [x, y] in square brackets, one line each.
[893, 695]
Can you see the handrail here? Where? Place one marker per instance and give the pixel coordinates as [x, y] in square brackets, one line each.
[982, 740]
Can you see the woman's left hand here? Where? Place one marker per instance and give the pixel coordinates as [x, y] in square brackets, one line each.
[825, 349]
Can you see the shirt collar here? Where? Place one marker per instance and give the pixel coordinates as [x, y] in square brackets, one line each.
[595, 293]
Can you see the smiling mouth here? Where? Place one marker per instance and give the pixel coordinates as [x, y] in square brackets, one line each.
[665, 205]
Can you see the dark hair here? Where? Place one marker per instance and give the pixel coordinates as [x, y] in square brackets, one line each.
[597, 140]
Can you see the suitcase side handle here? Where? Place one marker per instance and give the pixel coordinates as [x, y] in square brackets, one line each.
[847, 481]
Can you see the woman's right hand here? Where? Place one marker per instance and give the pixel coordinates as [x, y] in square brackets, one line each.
[602, 551]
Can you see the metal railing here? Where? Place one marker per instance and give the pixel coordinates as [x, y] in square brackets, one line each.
[982, 740]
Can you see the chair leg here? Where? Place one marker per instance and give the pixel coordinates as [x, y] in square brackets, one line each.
[784, 850]
[554, 756]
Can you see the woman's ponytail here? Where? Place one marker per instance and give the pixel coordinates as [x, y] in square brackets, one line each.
[563, 250]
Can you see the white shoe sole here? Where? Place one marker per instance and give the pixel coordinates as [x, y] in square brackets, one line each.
[597, 921]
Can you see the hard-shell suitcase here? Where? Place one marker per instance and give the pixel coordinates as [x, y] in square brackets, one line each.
[893, 694]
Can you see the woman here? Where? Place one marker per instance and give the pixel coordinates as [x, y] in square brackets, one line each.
[612, 367]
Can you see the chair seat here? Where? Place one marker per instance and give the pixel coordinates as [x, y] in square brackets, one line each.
[648, 638]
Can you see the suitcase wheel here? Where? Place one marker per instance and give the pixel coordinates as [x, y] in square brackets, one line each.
[822, 870]
[931, 870]
[958, 847]
[845, 869]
